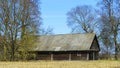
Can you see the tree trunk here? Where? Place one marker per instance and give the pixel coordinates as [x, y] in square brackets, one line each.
[116, 45]
[116, 53]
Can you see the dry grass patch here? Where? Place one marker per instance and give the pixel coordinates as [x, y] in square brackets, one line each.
[61, 64]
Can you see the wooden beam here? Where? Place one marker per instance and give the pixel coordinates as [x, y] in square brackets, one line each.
[70, 57]
[51, 56]
[93, 56]
[87, 56]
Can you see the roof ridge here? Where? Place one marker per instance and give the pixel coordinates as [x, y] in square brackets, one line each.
[67, 34]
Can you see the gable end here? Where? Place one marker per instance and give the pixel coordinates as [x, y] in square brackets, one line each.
[95, 45]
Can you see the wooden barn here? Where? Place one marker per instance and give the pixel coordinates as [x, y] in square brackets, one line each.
[67, 47]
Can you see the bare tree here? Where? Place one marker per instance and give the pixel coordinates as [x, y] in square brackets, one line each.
[47, 31]
[81, 18]
[110, 20]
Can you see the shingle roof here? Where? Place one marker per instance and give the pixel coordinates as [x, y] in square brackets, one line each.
[65, 42]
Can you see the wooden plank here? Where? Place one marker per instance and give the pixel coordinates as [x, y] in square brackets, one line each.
[51, 56]
[87, 56]
[93, 56]
[69, 57]
[61, 57]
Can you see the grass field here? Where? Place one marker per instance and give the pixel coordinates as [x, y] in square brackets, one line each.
[62, 64]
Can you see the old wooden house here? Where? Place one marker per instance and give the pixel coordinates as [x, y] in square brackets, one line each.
[67, 47]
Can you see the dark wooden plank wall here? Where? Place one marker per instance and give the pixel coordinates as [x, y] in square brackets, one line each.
[43, 57]
[62, 57]
[78, 56]
[95, 45]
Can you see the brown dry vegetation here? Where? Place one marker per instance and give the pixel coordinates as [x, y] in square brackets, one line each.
[61, 64]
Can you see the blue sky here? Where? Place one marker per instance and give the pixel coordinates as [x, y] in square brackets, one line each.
[54, 13]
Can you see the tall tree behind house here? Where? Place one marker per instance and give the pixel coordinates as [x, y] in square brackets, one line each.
[81, 18]
[110, 18]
